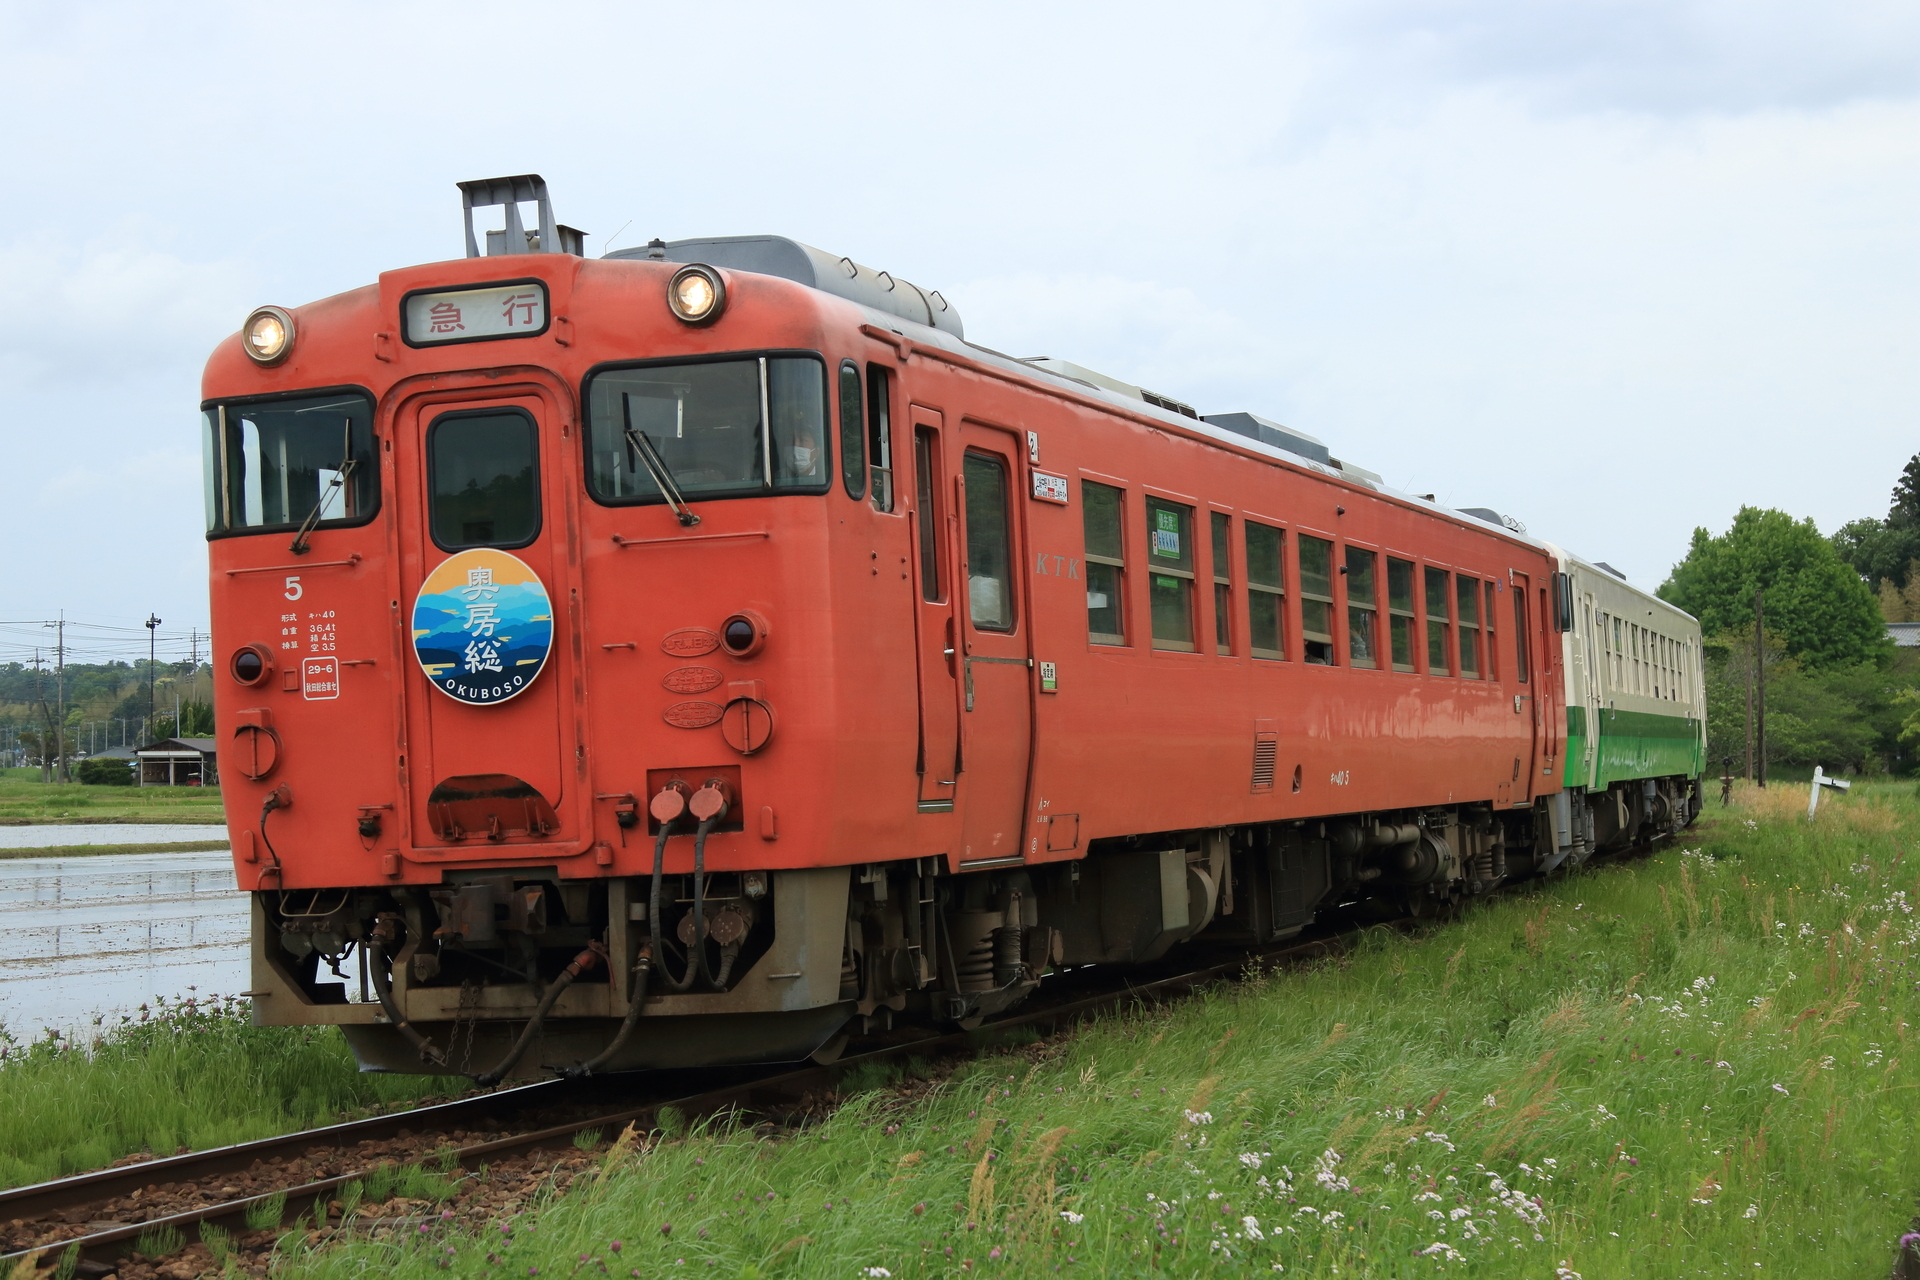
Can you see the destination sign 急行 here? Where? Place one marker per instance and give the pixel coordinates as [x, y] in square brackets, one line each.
[516, 310]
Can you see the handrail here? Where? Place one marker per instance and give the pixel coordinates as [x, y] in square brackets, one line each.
[349, 562]
[619, 541]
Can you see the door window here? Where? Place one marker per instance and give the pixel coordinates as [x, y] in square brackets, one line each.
[483, 472]
[989, 554]
[880, 436]
[927, 518]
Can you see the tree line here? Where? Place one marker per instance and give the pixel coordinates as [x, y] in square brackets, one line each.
[1838, 691]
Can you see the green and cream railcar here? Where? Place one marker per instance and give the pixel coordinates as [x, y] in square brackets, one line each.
[1636, 712]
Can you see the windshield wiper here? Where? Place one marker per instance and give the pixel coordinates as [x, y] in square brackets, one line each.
[300, 546]
[640, 445]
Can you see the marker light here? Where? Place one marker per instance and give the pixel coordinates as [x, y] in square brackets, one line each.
[697, 294]
[268, 335]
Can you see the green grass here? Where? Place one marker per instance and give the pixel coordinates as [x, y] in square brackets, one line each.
[24, 800]
[193, 1074]
[1683, 1066]
[96, 850]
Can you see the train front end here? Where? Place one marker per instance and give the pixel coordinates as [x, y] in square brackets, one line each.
[521, 580]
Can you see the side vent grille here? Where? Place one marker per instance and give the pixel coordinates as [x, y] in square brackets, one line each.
[1266, 746]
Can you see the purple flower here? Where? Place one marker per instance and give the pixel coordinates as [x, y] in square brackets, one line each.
[1911, 1240]
[615, 1246]
[666, 1228]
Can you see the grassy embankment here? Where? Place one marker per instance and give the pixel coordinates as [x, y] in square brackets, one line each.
[23, 801]
[196, 1075]
[1698, 1064]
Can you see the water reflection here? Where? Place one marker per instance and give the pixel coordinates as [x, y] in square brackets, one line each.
[82, 937]
[46, 836]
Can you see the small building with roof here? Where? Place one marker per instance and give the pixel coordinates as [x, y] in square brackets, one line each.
[179, 762]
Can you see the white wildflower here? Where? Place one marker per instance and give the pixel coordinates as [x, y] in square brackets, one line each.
[877, 1273]
[1780, 1088]
[1198, 1117]
[1251, 1159]
[1490, 1101]
[1753, 1211]
[1072, 1218]
[1250, 1228]
[1441, 1249]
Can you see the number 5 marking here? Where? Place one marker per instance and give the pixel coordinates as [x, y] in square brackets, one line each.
[294, 590]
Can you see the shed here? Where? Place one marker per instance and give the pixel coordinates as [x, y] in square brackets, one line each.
[1905, 635]
[179, 762]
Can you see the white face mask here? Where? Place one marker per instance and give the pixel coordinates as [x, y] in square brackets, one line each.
[802, 457]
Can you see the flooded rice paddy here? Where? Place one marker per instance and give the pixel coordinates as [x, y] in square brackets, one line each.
[40, 835]
[97, 935]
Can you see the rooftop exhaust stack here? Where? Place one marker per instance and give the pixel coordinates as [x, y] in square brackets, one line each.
[515, 238]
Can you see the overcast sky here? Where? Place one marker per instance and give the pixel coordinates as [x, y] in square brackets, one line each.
[1615, 268]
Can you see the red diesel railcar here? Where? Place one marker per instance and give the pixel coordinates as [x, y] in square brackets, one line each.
[702, 653]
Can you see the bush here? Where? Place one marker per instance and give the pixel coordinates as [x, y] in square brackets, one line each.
[105, 772]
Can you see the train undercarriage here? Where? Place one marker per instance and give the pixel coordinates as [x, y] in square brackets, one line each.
[517, 972]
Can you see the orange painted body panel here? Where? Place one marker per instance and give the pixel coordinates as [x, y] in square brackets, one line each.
[871, 714]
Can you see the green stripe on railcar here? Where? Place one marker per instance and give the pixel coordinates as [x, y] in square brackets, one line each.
[1640, 744]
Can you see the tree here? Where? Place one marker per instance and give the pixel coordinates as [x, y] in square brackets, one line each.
[1814, 600]
[1884, 551]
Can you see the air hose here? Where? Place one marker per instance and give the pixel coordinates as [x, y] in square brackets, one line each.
[642, 969]
[383, 988]
[580, 964]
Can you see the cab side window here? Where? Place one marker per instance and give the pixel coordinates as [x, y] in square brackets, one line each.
[1222, 583]
[880, 436]
[853, 432]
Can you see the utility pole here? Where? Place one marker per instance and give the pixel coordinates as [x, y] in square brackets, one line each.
[153, 621]
[60, 697]
[1760, 687]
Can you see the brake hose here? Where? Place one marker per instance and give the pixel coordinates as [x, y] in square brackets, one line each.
[580, 964]
[642, 969]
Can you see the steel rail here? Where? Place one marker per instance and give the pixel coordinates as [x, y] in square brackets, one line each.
[771, 1095]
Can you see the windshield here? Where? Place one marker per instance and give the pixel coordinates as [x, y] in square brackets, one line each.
[276, 461]
[705, 420]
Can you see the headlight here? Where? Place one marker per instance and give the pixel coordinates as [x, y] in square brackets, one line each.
[697, 294]
[268, 335]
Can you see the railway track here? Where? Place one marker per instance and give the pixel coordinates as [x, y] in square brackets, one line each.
[258, 1187]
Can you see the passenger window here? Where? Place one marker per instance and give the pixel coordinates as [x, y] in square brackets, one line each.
[989, 557]
[880, 436]
[1170, 573]
[1222, 583]
[1486, 614]
[1266, 591]
[1363, 607]
[483, 474]
[1316, 601]
[853, 432]
[1400, 620]
[1439, 623]
[927, 518]
[1467, 591]
[1520, 635]
[1101, 508]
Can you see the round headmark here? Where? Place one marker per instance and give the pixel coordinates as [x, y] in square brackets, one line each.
[482, 626]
